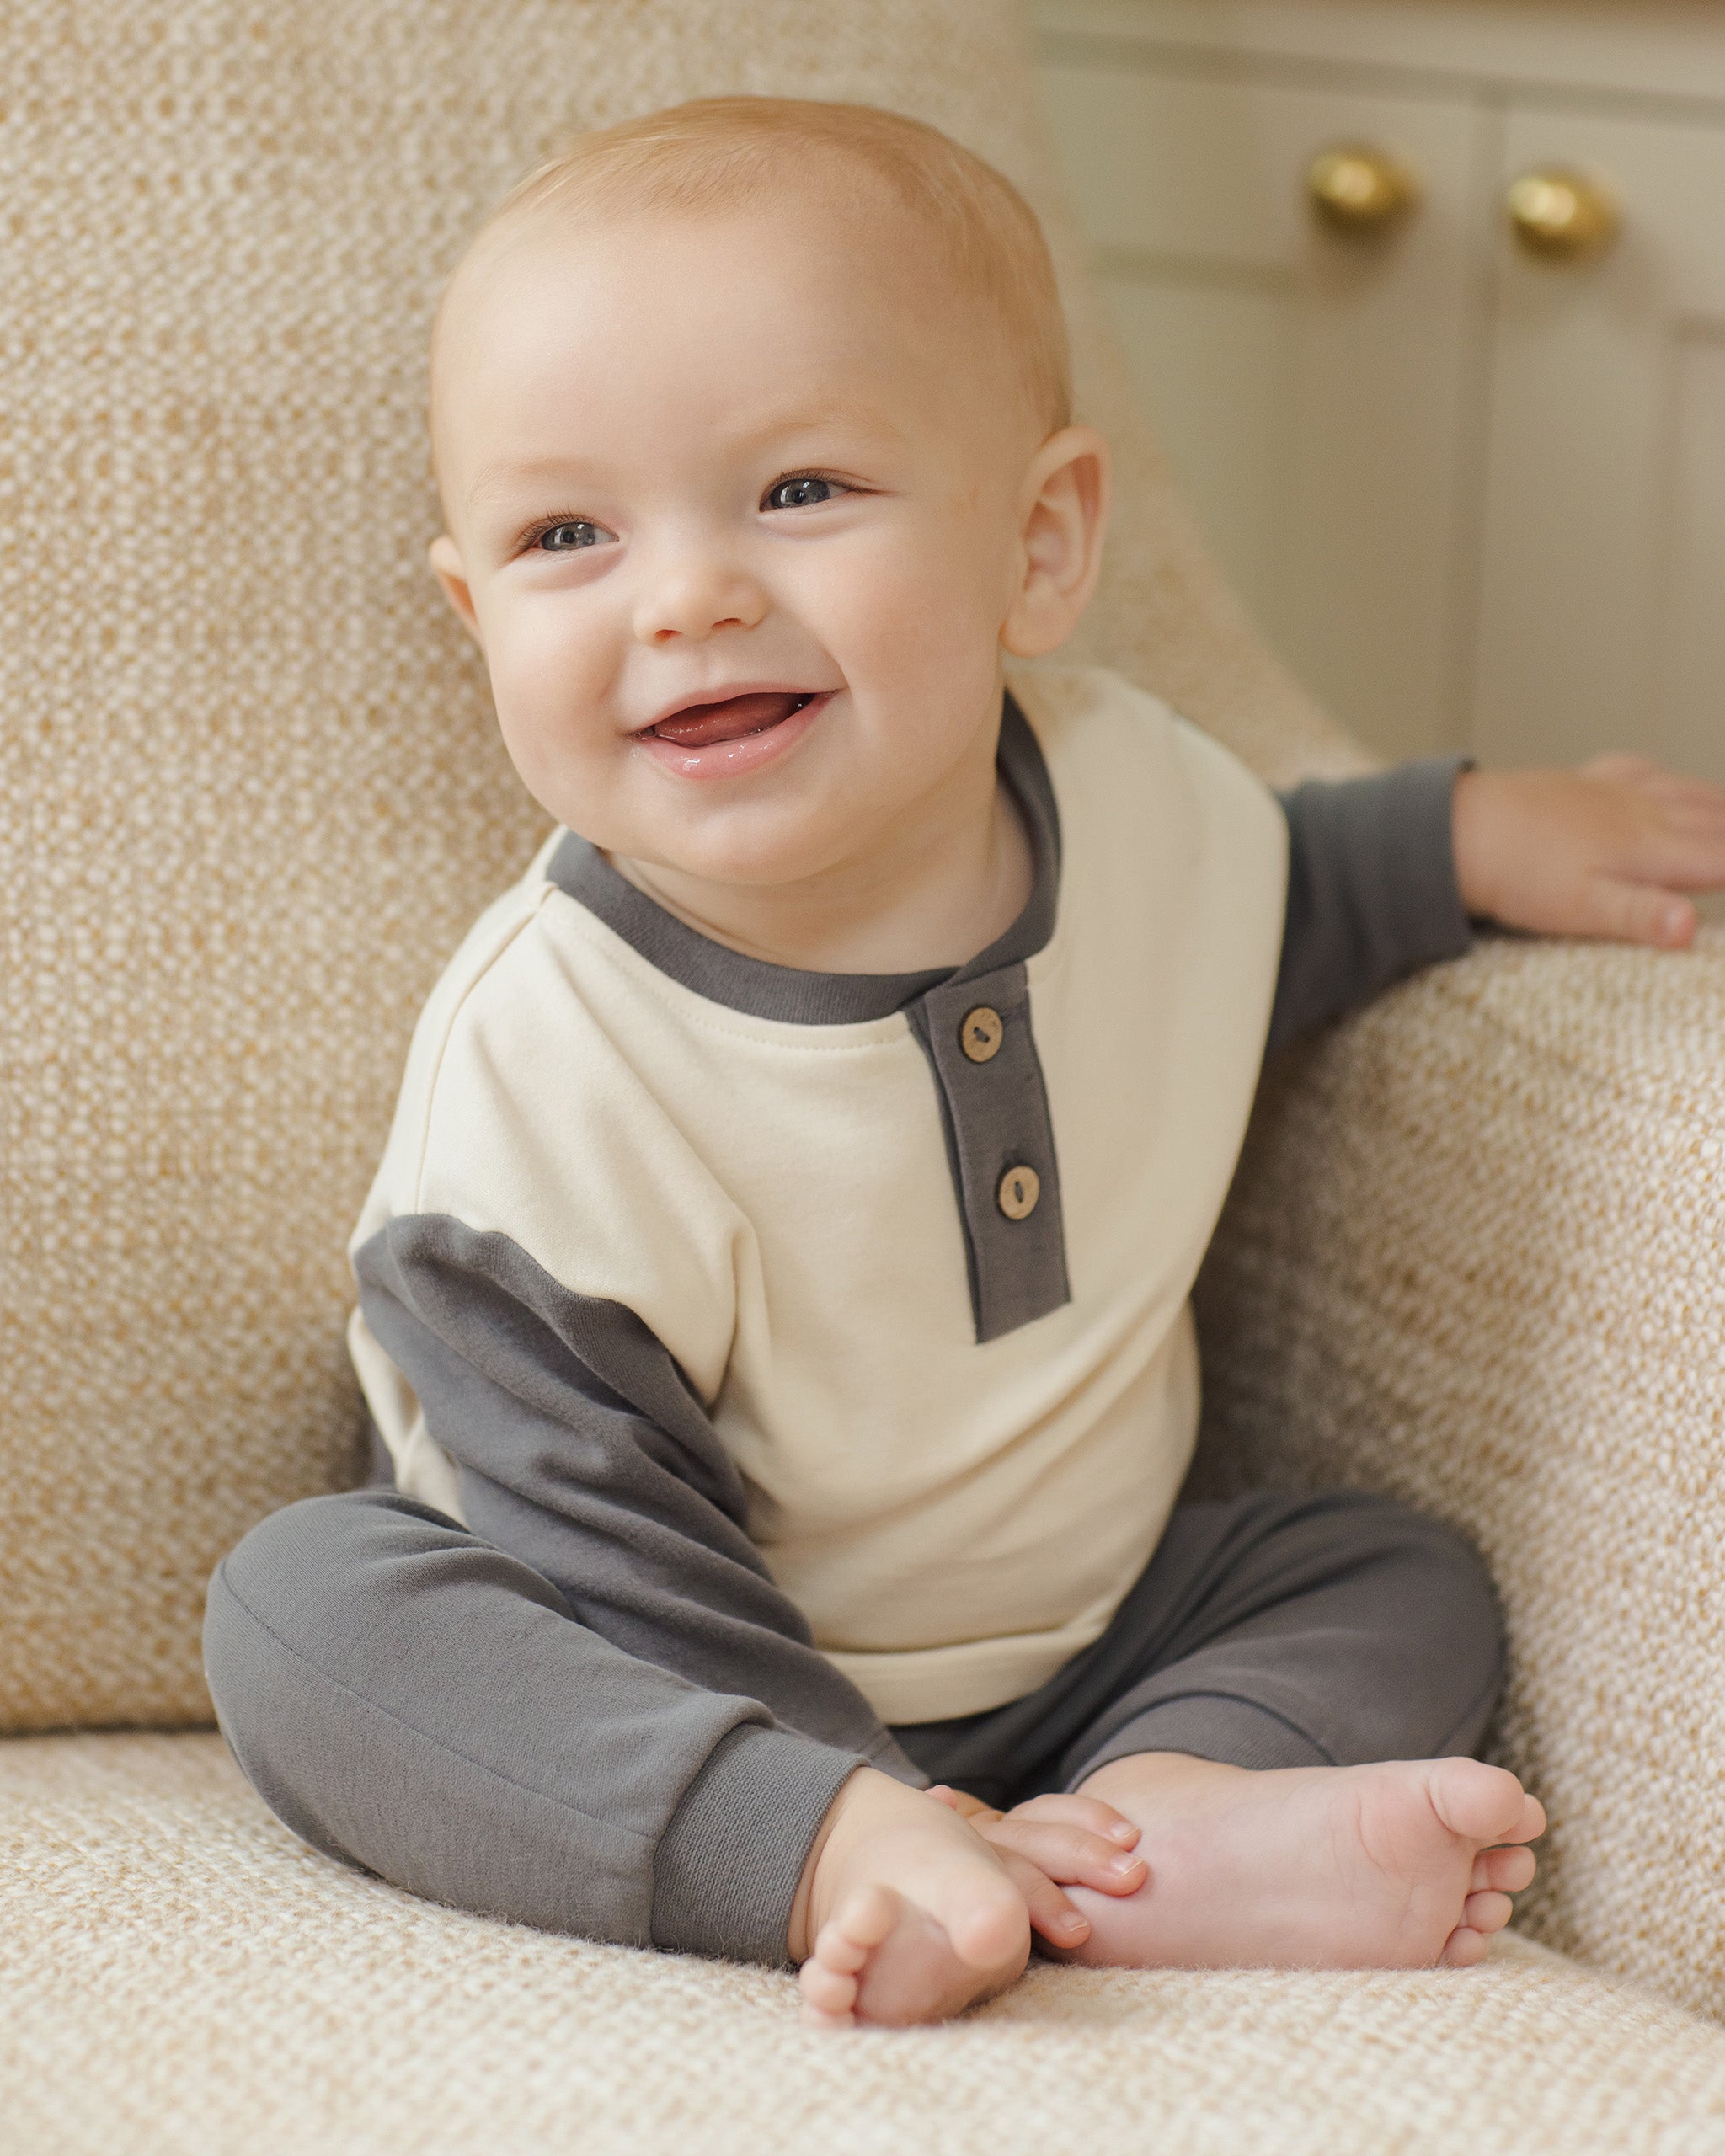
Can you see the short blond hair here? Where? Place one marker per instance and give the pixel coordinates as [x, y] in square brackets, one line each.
[716, 153]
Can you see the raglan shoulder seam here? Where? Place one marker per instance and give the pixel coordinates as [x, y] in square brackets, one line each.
[527, 920]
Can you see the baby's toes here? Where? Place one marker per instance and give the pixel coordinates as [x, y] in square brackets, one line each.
[1487, 1911]
[1479, 1802]
[829, 1995]
[1506, 1870]
[1464, 1948]
[860, 1924]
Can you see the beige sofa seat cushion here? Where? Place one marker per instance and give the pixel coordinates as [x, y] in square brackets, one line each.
[179, 1977]
[249, 789]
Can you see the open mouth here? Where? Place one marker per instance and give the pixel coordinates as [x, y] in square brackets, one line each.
[699, 726]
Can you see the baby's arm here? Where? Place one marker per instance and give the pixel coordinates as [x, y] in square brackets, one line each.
[679, 1707]
[708, 1731]
[1386, 871]
[1604, 850]
[1372, 890]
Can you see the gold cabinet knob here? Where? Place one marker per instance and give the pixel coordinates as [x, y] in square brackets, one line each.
[1561, 214]
[1355, 187]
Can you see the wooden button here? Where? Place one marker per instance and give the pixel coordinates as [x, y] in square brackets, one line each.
[980, 1036]
[1019, 1190]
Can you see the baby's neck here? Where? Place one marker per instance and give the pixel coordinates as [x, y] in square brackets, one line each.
[922, 903]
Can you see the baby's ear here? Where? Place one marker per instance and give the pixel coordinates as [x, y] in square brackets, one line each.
[446, 567]
[1063, 514]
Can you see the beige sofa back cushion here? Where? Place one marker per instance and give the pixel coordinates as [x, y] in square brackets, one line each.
[251, 790]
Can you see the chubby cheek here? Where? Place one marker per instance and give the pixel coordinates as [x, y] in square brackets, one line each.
[549, 680]
[915, 626]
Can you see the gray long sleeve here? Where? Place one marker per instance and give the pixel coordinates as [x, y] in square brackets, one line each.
[415, 1702]
[583, 1451]
[599, 1666]
[1372, 891]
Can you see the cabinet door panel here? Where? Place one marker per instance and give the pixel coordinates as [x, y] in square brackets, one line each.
[1690, 728]
[1314, 393]
[1602, 570]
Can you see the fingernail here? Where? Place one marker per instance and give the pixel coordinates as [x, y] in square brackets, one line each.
[1074, 1926]
[1122, 1830]
[1124, 1865]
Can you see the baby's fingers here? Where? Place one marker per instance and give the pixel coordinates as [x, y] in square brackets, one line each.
[1081, 1811]
[1636, 913]
[1072, 1855]
[1680, 851]
[1671, 789]
[1699, 808]
[1052, 1916]
[960, 1801]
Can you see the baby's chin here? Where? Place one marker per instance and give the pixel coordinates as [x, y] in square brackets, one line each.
[739, 836]
[742, 849]
[748, 835]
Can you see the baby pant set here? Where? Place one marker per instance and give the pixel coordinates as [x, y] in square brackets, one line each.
[777, 1371]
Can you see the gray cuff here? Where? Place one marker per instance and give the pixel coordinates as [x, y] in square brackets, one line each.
[1413, 808]
[729, 1865]
[1372, 890]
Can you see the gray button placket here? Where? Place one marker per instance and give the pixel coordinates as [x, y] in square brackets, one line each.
[997, 1116]
[993, 1104]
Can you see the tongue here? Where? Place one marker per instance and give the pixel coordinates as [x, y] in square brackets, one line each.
[701, 724]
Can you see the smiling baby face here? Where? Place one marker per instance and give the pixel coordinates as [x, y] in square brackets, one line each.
[736, 501]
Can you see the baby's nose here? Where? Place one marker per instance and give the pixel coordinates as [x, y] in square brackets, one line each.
[692, 596]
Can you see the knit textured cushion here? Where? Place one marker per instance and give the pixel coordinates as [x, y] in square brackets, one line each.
[179, 1977]
[250, 789]
[1476, 1255]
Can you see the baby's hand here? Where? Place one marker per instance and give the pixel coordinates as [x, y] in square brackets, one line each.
[1051, 1842]
[1603, 850]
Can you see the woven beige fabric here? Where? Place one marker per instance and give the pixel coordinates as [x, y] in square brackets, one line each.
[1474, 1256]
[179, 1977]
[249, 790]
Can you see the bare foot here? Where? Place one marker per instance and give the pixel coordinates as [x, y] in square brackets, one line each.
[1405, 1865]
[910, 1914]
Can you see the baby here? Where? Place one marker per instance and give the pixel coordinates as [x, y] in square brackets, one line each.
[773, 1301]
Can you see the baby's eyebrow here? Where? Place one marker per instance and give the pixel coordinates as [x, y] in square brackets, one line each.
[857, 421]
[500, 477]
[843, 415]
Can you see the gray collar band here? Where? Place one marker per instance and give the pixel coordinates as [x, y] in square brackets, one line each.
[791, 993]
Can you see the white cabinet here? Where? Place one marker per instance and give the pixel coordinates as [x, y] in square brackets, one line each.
[1602, 583]
[1476, 499]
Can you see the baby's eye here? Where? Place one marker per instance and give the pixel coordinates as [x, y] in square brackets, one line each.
[801, 493]
[565, 538]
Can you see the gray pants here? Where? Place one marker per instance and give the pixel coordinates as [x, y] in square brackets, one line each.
[412, 1700]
